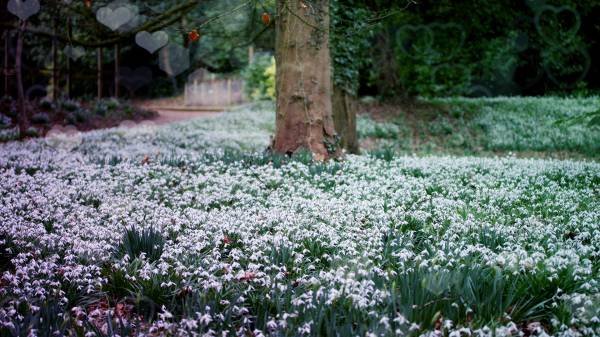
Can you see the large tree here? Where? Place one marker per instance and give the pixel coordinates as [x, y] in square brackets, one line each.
[351, 27]
[304, 118]
[311, 114]
[319, 54]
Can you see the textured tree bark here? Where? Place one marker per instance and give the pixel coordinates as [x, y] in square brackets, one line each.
[304, 79]
[19, 74]
[344, 118]
[99, 72]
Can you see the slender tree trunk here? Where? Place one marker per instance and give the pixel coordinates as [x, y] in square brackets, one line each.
[184, 33]
[5, 67]
[69, 33]
[250, 54]
[99, 72]
[344, 117]
[19, 74]
[6, 75]
[54, 63]
[304, 80]
[68, 80]
[117, 71]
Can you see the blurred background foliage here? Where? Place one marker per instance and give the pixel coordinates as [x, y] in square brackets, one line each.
[259, 78]
[487, 48]
[379, 48]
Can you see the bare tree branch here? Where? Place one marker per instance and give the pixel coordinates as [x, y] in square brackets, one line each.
[164, 20]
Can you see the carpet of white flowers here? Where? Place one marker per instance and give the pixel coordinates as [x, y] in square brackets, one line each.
[189, 229]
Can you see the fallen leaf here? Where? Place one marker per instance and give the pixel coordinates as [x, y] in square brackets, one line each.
[248, 276]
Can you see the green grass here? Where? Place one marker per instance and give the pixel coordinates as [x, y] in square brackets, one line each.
[525, 126]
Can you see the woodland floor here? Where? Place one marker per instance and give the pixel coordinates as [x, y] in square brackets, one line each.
[524, 127]
[190, 228]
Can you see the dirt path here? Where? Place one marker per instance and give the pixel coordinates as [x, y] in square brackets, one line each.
[172, 110]
[171, 116]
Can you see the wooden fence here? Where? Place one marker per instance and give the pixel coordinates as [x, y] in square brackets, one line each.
[214, 92]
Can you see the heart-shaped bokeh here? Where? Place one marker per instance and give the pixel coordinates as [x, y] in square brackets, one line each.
[174, 59]
[557, 25]
[448, 39]
[114, 19]
[529, 71]
[566, 66]
[152, 41]
[23, 9]
[36, 91]
[415, 41]
[135, 79]
[535, 4]
[136, 18]
[74, 53]
[479, 90]
[134, 23]
[521, 42]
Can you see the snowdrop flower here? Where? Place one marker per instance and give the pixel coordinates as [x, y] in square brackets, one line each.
[316, 237]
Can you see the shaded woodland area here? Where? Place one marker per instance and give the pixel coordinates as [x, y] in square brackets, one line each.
[300, 168]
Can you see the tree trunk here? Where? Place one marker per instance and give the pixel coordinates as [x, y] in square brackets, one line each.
[250, 54]
[304, 80]
[69, 34]
[184, 33]
[117, 72]
[54, 63]
[99, 72]
[344, 117]
[19, 74]
[6, 74]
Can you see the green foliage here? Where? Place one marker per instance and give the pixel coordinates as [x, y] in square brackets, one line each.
[104, 107]
[48, 320]
[80, 113]
[386, 153]
[259, 78]
[443, 48]
[228, 27]
[475, 296]
[69, 105]
[470, 126]
[223, 46]
[136, 242]
[32, 132]
[436, 60]
[350, 32]
[77, 117]
[367, 127]
[591, 119]
[7, 252]
[40, 118]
